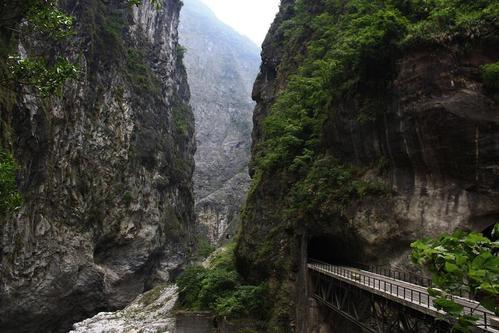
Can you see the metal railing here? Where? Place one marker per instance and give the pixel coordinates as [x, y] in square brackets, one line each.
[414, 278]
[415, 296]
[398, 274]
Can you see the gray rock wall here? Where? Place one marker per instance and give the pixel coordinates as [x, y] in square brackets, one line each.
[105, 170]
[221, 67]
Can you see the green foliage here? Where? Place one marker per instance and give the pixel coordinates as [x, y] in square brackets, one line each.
[461, 262]
[337, 60]
[364, 34]
[220, 289]
[490, 76]
[245, 300]
[190, 285]
[10, 198]
[328, 188]
[204, 248]
[140, 73]
[367, 37]
[181, 50]
[443, 20]
[46, 79]
[46, 19]
[216, 285]
[180, 112]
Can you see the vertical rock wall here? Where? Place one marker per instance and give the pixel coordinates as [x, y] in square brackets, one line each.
[105, 171]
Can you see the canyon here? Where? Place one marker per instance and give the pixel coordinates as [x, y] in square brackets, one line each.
[370, 125]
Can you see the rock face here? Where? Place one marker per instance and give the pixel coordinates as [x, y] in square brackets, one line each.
[105, 171]
[221, 67]
[437, 136]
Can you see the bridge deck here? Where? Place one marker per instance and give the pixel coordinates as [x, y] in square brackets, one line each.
[405, 293]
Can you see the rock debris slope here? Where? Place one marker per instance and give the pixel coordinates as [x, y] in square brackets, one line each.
[221, 67]
[148, 313]
[105, 171]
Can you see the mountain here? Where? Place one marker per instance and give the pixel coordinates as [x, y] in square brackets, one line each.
[221, 68]
[376, 124]
[104, 167]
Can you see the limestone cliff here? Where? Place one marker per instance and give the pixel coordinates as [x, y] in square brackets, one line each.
[367, 136]
[221, 67]
[105, 170]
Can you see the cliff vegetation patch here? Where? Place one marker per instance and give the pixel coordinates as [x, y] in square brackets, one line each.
[351, 50]
[10, 198]
[220, 289]
[490, 76]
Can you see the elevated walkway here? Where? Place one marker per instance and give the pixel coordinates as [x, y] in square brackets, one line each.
[408, 294]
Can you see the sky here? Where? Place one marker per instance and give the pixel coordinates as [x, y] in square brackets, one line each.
[251, 18]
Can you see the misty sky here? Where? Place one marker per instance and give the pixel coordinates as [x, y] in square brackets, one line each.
[251, 18]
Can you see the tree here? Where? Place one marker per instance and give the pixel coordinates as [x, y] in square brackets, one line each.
[461, 263]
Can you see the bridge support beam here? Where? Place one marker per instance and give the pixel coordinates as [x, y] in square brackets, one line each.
[368, 311]
[303, 290]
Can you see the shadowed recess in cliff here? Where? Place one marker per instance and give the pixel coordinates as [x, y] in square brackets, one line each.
[343, 251]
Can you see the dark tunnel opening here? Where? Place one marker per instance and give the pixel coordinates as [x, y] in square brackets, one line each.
[334, 250]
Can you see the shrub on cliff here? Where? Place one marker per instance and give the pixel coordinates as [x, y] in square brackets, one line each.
[490, 76]
[10, 199]
[220, 289]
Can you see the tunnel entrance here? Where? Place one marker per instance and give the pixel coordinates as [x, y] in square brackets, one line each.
[334, 250]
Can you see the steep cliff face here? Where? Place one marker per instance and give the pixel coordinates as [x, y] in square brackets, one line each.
[394, 138]
[221, 67]
[105, 171]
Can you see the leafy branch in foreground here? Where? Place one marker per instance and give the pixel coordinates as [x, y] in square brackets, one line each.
[44, 20]
[461, 262]
[47, 80]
